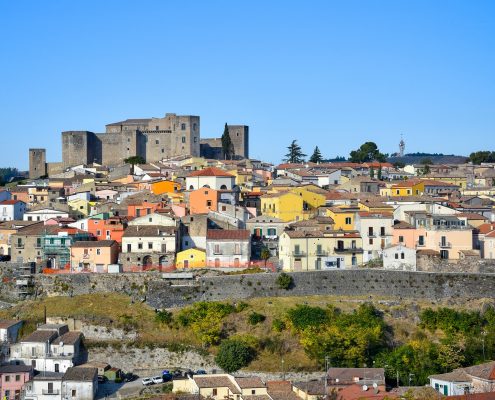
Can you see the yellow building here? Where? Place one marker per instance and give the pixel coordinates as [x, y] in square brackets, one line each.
[80, 207]
[313, 197]
[459, 180]
[316, 250]
[343, 216]
[286, 206]
[374, 206]
[191, 258]
[411, 187]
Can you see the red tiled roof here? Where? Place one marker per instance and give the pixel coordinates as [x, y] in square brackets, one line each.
[221, 234]
[211, 171]
[485, 228]
[8, 202]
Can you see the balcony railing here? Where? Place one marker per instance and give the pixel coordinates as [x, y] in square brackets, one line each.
[372, 234]
[445, 245]
[322, 253]
[348, 250]
[299, 253]
[50, 392]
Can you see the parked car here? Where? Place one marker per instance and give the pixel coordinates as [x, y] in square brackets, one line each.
[177, 373]
[147, 381]
[102, 379]
[130, 377]
[157, 379]
[4, 258]
[167, 377]
[200, 372]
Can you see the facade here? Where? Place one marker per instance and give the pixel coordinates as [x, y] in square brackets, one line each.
[44, 214]
[12, 380]
[11, 210]
[191, 258]
[376, 230]
[265, 227]
[211, 177]
[239, 136]
[94, 256]
[317, 250]
[399, 257]
[228, 248]
[286, 206]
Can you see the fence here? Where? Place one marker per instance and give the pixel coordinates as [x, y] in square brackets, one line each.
[213, 265]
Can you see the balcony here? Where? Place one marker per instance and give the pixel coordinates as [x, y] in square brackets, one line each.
[321, 253]
[445, 245]
[48, 392]
[299, 254]
[347, 250]
[372, 234]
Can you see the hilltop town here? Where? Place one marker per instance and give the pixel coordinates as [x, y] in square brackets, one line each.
[197, 241]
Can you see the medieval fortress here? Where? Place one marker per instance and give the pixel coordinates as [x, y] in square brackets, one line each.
[153, 139]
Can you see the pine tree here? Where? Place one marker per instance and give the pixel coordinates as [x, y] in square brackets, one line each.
[372, 172]
[379, 175]
[295, 154]
[316, 157]
[227, 145]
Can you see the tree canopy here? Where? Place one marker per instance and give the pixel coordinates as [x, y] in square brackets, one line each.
[135, 160]
[479, 157]
[233, 355]
[316, 157]
[295, 154]
[366, 153]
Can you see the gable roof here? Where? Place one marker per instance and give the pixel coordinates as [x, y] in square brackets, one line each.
[211, 171]
[223, 234]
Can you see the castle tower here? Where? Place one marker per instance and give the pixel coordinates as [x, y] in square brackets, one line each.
[402, 147]
[37, 163]
[239, 135]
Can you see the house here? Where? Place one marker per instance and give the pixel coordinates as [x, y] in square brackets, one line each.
[7, 229]
[317, 250]
[43, 214]
[12, 210]
[94, 256]
[12, 380]
[281, 390]
[376, 230]
[55, 247]
[265, 227]
[339, 378]
[9, 330]
[106, 194]
[148, 245]
[80, 383]
[476, 379]
[286, 206]
[165, 186]
[50, 348]
[228, 248]
[154, 218]
[203, 200]
[488, 249]
[107, 229]
[343, 216]
[399, 257]
[310, 390]
[192, 231]
[211, 177]
[191, 258]
[47, 385]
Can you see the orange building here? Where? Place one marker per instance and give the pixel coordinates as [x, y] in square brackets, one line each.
[144, 208]
[203, 200]
[165, 187]
[107, 229]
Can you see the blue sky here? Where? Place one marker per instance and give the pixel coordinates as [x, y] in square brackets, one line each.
[332, 74]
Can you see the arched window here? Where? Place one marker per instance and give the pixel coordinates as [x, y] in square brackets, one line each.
[223, 187]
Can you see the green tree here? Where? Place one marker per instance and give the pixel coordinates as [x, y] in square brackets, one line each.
[285, 281]
[372, 172]
[234, 355]
[316, 157]
[399, 164]
[133, 161]
[379, 174]
[227, 145]
[255, 318]
[265, 254]
[295, 154]
[366, 153]
[479, 157]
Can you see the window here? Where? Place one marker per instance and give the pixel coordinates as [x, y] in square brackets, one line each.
[371, 241]
[98, 252]
[401, 256]
[7, 378]
[195, 125]
[237, 248]
[348, 220]
[140, 246]
[214, 392]
[208, 203]
[401, 239]
[150, 245]
[421, 240]
[157, 128]
[195, 140]
[38, 242]
[73, 392]
[297, 249]
[253, 391]
[17, 378]
[183, 127]
[216, 249]
[129, 247]
[50, 387]
[382, 231]
[157, 141]
[98, 233]
[183, 139]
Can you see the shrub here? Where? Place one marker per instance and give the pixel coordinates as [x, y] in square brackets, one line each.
[278, 325]
[285, 281]
[255, 318]
[302, 317]
[234, 355]
[164, 317]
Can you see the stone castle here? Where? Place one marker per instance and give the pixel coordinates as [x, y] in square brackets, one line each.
[153, 139]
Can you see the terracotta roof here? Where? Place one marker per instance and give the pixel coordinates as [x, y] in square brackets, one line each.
[281, 390]
[94, 243]
[221, 234]
[485, 228]
[149, 231]
[246, 383]
[311, 387]
[211, 171]
[10, 202]
[356, 392]
[474, 396]
[474, 216]
[348, 374]
[215, 382]
[403, 225]
[375, 214]
[80, 374]
[428, 252]
[457, 375]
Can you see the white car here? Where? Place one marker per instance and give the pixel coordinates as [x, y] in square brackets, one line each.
[157, 379]
[147, 381]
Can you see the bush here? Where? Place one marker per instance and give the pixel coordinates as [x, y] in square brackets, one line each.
[255, 318]
[302, 317]
[285, 281]
[164, 317]
[234, 355]
[278, 325]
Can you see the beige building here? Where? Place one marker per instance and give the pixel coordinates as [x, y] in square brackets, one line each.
[317, 250]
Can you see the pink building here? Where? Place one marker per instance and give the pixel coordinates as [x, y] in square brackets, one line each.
[94, 256]
[12, 379]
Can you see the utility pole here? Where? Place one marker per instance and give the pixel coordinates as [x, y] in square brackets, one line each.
[327, 366]
[397, 373]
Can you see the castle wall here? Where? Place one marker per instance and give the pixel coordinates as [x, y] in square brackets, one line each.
[78, 147]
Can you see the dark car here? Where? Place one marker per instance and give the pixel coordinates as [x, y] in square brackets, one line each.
[167, 377]
[177, 373]
[130, 377]
[201, 372]
[4, 258]
[102, 379]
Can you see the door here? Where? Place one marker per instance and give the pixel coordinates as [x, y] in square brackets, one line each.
[236, 262]
[186, 263]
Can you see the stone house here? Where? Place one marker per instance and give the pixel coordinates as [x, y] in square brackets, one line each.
[228, 248]
[154, 218]
[80, 383]
[148, 245]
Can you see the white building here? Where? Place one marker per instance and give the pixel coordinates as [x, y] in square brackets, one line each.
[149, 239]
[228, 248]
[212, 177]
[153, 219]
[44, 214]
[399, 257]
[376, 230]
[11, 210]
